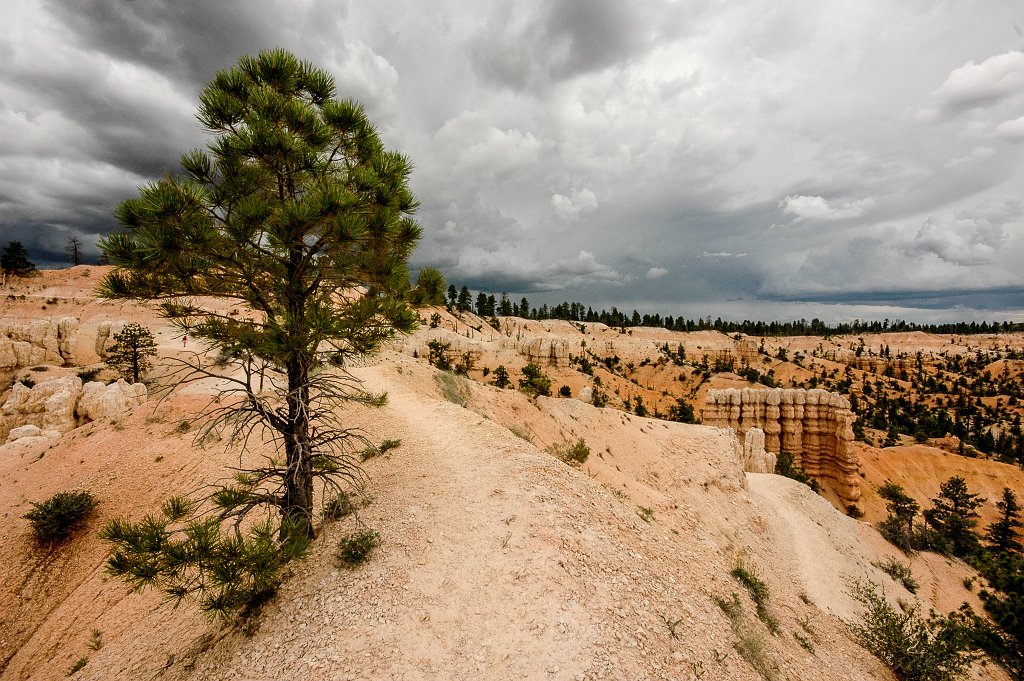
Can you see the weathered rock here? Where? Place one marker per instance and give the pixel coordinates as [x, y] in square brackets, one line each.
[545, 351]
[61, 404]
[99, 401]
[49, 404]
[105, 332]
[40, 341]
[586, 394]
[24, 431]
[755, 458]
[815, 426]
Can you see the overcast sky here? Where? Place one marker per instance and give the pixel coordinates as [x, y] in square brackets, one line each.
[754, 159]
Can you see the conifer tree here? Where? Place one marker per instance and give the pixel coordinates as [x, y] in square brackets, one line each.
[14, 259]
[953, 517]
[1003, 535]
[131, 352]
[297, 212]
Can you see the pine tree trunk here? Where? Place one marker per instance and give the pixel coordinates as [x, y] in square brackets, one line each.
[298, 496]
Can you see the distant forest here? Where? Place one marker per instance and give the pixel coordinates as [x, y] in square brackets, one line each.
[487, 305]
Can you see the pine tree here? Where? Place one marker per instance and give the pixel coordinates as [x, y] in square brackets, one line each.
[898, 526]
[1002, 535]
[429, 289]
[14, 260]
[131, 352]
[953, 517]
[464, 302]
[294, 205]
[501, 379]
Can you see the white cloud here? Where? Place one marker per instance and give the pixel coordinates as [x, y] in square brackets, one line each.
[571, 207]
[816, 208]
[722, 254]
[980, 85]
[1012, 130]
[656, 273]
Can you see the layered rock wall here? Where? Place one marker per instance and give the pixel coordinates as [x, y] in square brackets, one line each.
[815, 426]
[40, 341]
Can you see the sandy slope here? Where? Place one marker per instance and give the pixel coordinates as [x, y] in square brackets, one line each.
[498, 561]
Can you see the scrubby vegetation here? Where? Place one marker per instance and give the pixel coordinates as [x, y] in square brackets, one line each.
[915, 648]
[355, 549]
[57, 518]
[188, 554]
[573, 454]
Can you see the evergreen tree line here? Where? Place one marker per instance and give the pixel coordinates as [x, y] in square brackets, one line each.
[488, 305]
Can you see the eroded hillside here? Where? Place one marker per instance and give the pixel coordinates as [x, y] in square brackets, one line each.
[498, 560]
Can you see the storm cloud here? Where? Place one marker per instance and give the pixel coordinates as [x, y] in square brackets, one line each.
[741, 159]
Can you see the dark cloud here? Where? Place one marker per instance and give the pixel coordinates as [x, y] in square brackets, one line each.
[733, 158]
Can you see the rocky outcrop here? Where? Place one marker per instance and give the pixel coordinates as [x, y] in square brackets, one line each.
[105, 332]
[41, 341]
[755, 458]
[61, 404]
[815, 426]
[553, 352]
[99, 401]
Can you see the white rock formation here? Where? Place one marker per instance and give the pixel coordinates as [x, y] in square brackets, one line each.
[99, 401]
[61, 404]
[105, 332]
[755, 458]
[40, 341]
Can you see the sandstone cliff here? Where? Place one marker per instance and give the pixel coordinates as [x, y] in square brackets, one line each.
[815, 426]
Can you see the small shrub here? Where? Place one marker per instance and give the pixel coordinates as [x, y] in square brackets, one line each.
[758, 591]
[382, 448]
[77, 666]
[565, 391]
[786, 467]
[534, 381]
[89, 373]
[339, 506]
[749, 644]
[804, 642]
[28, 383]
[355, 549]
[915, 649]
[55, 519]
[574, 454]
[39, 369]
[899, 572]
[646, 513]
[854, 511]
[95, 640]
[521, 433]
[452, 388]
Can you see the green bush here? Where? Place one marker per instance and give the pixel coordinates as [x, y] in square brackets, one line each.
[899, 572]
[534, 382]
[189, 554]
[758, 591]
[55, 519]
[339, 506]
[787, 468]
[574, 454]
[452, 388]
[355, 549]
[915, 649]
